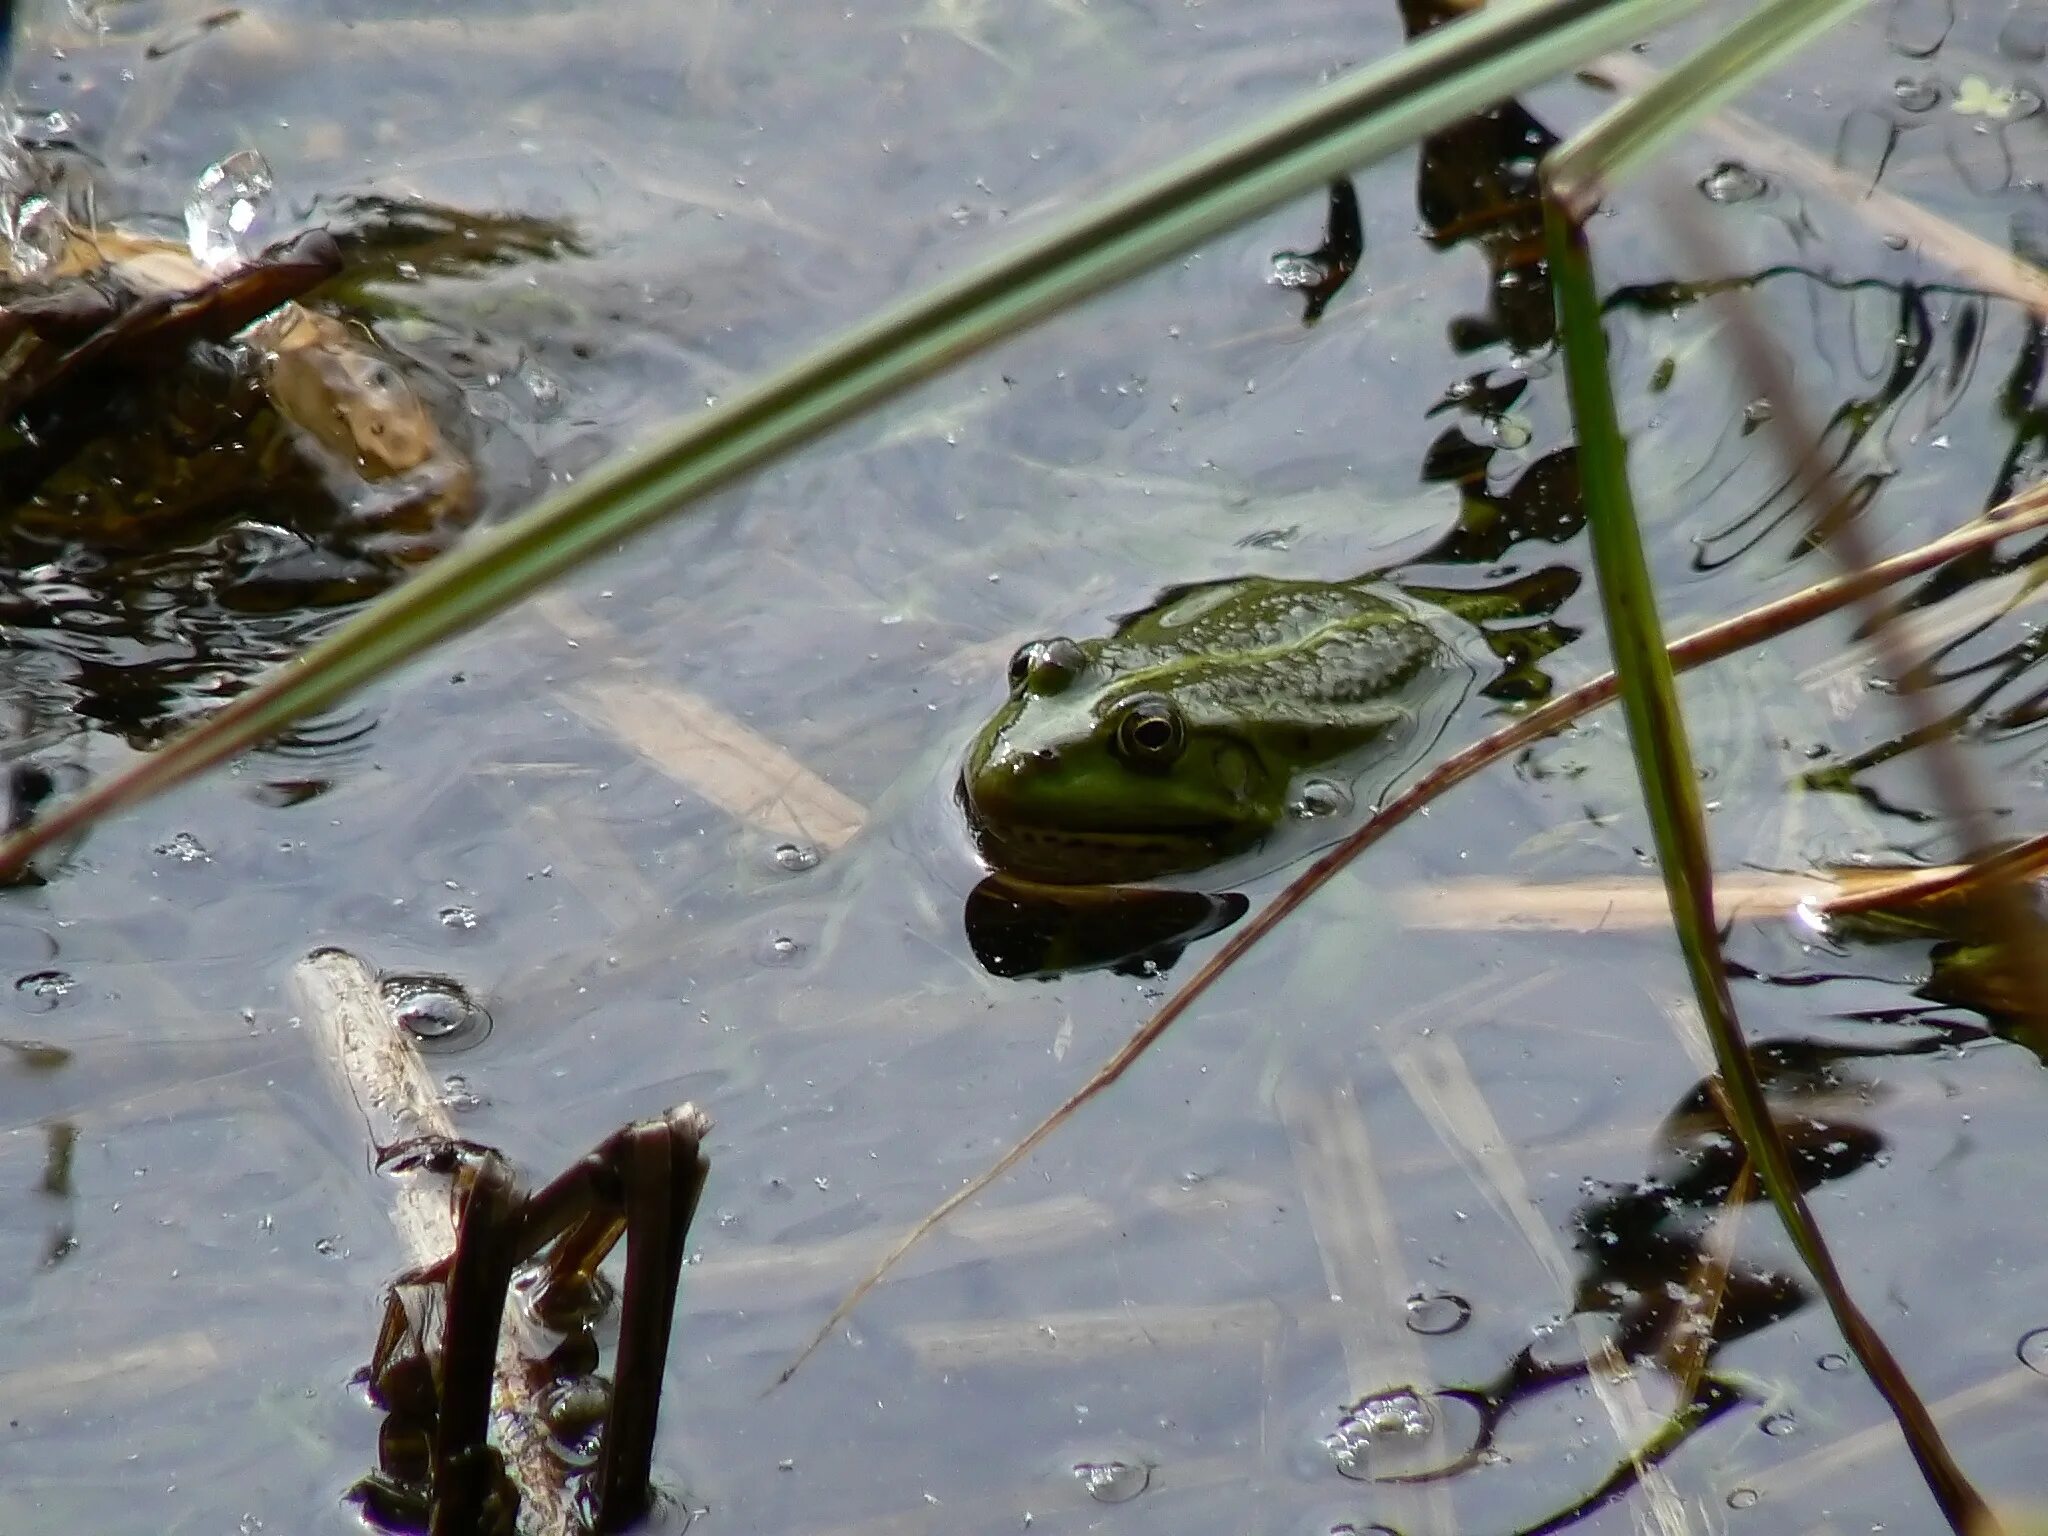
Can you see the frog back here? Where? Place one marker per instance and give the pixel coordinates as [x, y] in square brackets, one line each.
[1319, 657]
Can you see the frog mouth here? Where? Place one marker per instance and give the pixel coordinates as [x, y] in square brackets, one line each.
[1081, 852]
[1092, 856]
[1076, 822]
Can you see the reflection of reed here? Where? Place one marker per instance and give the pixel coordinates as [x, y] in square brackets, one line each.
[1657, 1256]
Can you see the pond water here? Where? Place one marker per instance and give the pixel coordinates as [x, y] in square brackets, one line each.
[1368, 1211]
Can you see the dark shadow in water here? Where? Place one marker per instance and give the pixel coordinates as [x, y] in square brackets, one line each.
[1023, 930]
[1656, 1293]
[1319, 275]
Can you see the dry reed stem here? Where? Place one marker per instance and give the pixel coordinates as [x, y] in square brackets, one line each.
[1011, 1230]
[2023, 860]
[1559, 1157]
[373, 1065]
[1461, 1005]
[1688, 1345]
[1822, 1464]
[1614, 903]
[735, 768]
[1032, 1226]
[581, 848]
[1067, 1503]
[1357, 1236]
[1685, 1353]
[1358, 1239]
[702, 747]
[1090, 1334]
[1987, 266]
[1927, 629]
[1443, 1088]
[190, 1084]
[166, 1364]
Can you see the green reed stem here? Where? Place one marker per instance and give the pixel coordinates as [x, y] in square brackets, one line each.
[1664, 768]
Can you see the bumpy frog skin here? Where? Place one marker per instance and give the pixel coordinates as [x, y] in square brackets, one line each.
[1178, 740]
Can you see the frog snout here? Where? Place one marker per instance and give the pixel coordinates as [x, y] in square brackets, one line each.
[1009, 772]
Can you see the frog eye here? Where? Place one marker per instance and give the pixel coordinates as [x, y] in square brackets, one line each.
[1150, 732]
[1046, 666]
[1020, 664]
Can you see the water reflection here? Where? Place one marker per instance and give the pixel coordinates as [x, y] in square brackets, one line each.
[1663, 1287]
[1020, 929]
[1319, 275]
[170, 530]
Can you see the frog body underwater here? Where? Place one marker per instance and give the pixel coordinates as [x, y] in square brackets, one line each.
[1181, 738]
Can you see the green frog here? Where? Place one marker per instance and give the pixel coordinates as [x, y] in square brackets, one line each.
[1184, 737]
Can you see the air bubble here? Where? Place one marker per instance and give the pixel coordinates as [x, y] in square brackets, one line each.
[47, 988]
[573, 1412]
[794, 858]
[1437, 1312]
[38, 235]
[1113, 1482]
[228, 217]
[2033, 1351]
[1731, 182]
[436, 1011]
[1401, 1433]
[1916, 95]
[1291, 270]
[1318, 798]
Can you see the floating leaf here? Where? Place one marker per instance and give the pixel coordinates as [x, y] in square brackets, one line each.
[1978, 97]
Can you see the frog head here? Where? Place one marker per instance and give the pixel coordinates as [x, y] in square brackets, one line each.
[1092, 773]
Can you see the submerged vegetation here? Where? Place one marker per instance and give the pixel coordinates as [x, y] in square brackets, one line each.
[220, 452]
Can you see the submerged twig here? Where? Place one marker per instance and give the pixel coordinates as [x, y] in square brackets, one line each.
[2023, 513]
[1440, 1082]
[1608, 904]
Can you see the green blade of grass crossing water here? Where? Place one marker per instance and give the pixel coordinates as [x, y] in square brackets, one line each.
[1457, 70]
[1664, 768]
[1576, 176]
[1626, 135]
